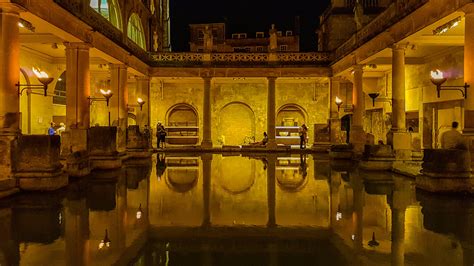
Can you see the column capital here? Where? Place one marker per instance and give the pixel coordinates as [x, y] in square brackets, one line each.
[468, 10]
[399, 46]
[358, 67]
[77, 45]
[272, 78]
[207, 78]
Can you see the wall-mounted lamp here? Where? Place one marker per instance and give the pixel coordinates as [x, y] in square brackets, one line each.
[42, 77]
[139, 212]
[26, 24]
[437, 78]
[140, 103]
[373, 242]
[375, 95]
[338, 102]
[447, 26]
[105, 243]
[107, 95]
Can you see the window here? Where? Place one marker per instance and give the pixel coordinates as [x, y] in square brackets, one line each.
[135, 31]
[260, 34]
[242, 49]
[284, 47]
[200, 34]
[279, 33]
[289, 33]
[259, 48]
[235, 35]
[59, 96]
[110, 10]
[239, 35]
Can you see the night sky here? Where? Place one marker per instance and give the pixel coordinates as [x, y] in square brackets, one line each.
[246, 16]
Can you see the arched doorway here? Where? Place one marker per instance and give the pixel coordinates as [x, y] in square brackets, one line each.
[182, 125]
[236, 124]
[291, 115]
[346, 126]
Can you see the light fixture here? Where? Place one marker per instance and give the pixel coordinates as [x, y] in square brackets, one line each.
[105, 243]
[373, 242]
[447, 26]
[139, 212]
[338, 213]
[374, 96]
[338, 102]
[26, 25]
[140, 103]
[107, 95]
[42, 77]
[438, 79]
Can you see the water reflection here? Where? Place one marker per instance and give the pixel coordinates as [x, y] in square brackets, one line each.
[210, 209]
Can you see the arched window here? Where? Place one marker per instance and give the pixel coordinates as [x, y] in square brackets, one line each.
[135, 31]
[60, 90]
[110, 10]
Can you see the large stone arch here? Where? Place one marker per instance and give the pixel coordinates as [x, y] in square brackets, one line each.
[182, 114]
[291, 114]
[236, 123]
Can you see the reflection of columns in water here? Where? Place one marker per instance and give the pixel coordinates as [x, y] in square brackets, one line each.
[273, 254]
[398, 236]
[335, 183]
[121, 211]
[271, 190]
[206, 188]
[271, 113]
[77, 231]
[9, 250]
[358, 188]
[206, 258]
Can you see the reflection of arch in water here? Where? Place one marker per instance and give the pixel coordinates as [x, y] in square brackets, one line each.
[182, 114]
[237, 174]
[236, 122]
[291, 115]
[291, 174]
[181, 180]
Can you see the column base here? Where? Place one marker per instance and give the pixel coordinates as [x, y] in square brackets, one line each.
[271, 145]
[42, 181]
[402, 146]
[206, 144]
[8, 187]
[358, 139]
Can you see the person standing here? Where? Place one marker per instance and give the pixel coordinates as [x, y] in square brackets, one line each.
[160, 135]
[303, 131]
[453, 139]
[61, 129]
[51, 131]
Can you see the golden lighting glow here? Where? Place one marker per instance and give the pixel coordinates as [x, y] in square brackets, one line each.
[140, 100]
[21, 25]
[39, 73]
[447, 26]
[338, 101]
[437, 74]
[105, 93]
[338, 216]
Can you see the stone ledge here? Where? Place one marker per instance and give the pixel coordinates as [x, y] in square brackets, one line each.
[43, 183]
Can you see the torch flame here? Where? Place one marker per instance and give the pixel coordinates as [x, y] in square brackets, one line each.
[39, 73]
[139, 100]
[338, 100]
[108, 92]
[437, 74]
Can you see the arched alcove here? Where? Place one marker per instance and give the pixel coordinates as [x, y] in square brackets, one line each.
[291, 115]
[236, 123]
[135, 30]
[132, 119]
[60, 90]
[182, 124]
[181, 180]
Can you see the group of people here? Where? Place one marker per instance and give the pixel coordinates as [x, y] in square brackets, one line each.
[53, 131]
[160, 135]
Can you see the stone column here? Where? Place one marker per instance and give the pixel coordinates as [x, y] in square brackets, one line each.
[357, 134]
[401, 198]
[206, 118]
[143, 92]
[271, 190]
[334, 120]
[206, 188]
[271, 113]
[9, 98]
[77, 86]
[469, 74]
[118, 103]
[401, 138]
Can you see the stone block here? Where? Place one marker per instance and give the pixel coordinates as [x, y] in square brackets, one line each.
[103, 148]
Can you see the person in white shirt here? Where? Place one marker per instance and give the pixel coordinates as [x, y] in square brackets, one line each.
[61, 129]
[453, 139]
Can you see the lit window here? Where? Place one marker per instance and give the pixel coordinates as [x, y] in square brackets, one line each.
[235, 35]
[283, 47]
[135, 31]
[289, 33]
[260, 34]
[110, 10]
[279, 33]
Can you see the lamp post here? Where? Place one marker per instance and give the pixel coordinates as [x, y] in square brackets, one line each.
[107, 95]
[438, 79]
[140, 103]
[338, 102]
[105, 243]
[42, 77]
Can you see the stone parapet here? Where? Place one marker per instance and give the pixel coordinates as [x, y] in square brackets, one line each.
[446, 170]
[103, 148]
[377, 157]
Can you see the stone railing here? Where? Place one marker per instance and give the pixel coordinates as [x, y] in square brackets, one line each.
[394, 13]
[197, 59]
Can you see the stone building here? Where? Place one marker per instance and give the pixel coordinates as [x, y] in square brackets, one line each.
[243, 42]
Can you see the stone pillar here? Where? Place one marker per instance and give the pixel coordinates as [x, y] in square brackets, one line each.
[206, 118]
[334, 185]
[401, 138]
[468, 130]
[77, 86]
[271, 190]
[118, 103]
[271, 113]
[357, 134]
[206, 188]
[9, 98]
[334, 120]
[143, 92]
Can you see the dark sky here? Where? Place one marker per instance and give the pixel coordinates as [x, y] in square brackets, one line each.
[246, 16]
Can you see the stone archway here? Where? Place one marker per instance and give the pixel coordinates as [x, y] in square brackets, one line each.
[236, 124]
[291, 115]
[182, 125]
